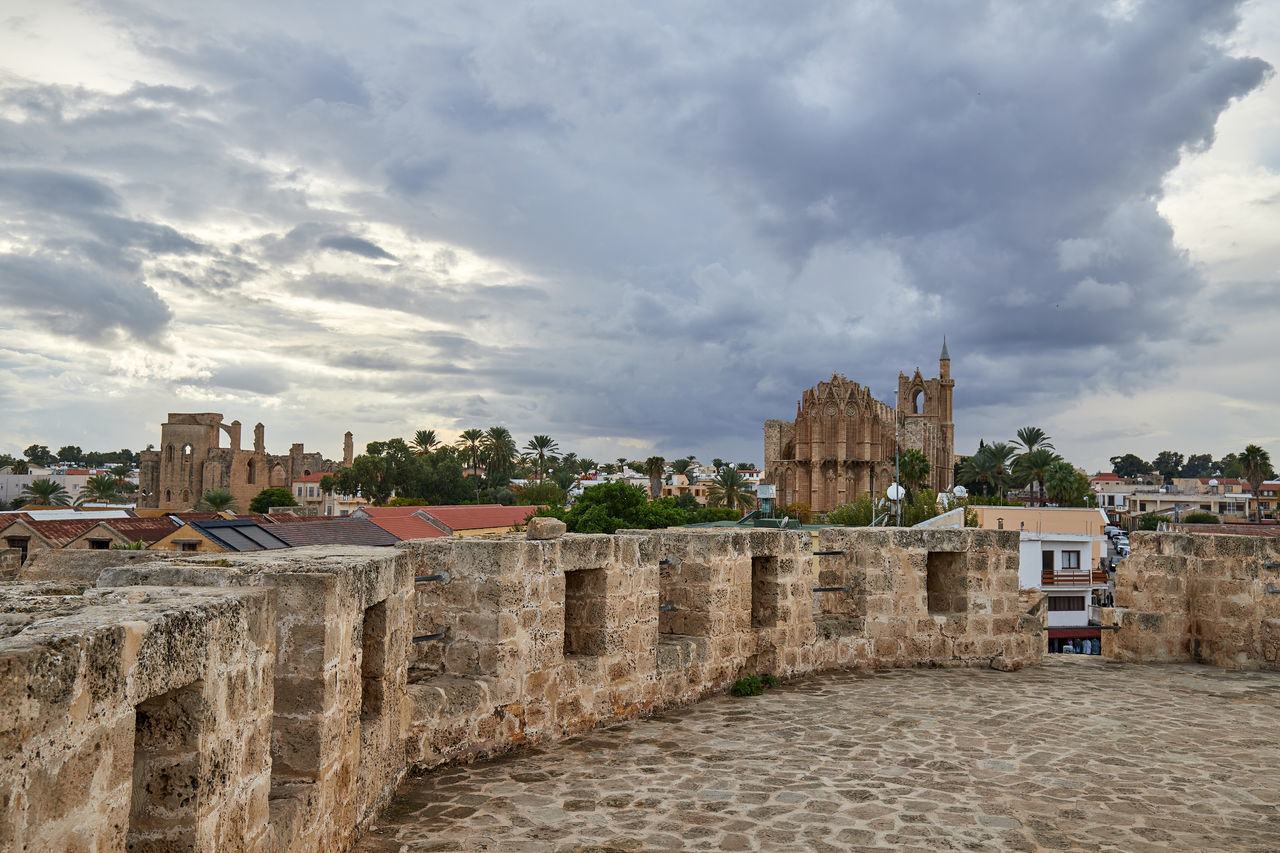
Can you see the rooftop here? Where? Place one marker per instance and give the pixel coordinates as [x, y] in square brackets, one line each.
[1176, 757]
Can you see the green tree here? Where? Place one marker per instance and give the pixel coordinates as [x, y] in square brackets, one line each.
[220, 500]
[1255, 468]
[45, 492]
[1129, 465]
[729, 489]
[542, 494]
[654, 468]
[425, 441]
[989, 468]
[100, 488]
[1034, 466]
[1150, 521]
[682, 466]
[1229, 467]
[609, 507]
[1065, 485]
[499, 454]
[470, 444]
[539, 448]
[20, 466]
[564, 478]
[1200, 518]
[70, 454]
[914, 469]
[1168, 464]
[38, 454]
[1031, 437]
[274, 496]
[860, 513]
[587, 466]
[1198, 465]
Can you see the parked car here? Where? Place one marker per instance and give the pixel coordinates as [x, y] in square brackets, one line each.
[1112, 531]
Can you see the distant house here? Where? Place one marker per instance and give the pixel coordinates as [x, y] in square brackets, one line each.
[221, 535]
[121, 532]
[316, 501]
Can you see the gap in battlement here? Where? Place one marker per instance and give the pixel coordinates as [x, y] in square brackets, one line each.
[373, 662]
[584, 604]
[764, 592]
[945, 583]
[166, 770]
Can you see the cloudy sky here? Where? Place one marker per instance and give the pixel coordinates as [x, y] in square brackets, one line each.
[639, 231]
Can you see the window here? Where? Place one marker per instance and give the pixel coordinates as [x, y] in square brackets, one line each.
[186, 546]
[1071, 561]
[99, 544]
[1058, 603]
[311, 491]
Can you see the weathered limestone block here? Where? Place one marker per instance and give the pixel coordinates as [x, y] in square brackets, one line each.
[545, 528]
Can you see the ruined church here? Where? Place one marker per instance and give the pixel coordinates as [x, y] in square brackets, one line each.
[191, 461]
[842, 441]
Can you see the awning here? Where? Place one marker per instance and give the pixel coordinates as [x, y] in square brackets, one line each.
[1094, 633]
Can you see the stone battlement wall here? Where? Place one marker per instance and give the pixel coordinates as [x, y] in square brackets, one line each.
[375, 670]
[1197, 597]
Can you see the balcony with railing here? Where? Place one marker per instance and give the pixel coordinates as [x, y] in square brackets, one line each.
[1073, 577]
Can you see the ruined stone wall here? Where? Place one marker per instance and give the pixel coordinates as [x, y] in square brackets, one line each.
[134, 719]
[339, 716]
[528, 640]
[1197, 597]
[544, 638]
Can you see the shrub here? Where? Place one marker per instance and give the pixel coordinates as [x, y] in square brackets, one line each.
[406, 502]
[747, 686]
[1150, 521]
[1201, 518]
[769, 680]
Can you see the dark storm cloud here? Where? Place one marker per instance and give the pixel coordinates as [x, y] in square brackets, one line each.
[356, 246]
[700, 210]
[79, 301]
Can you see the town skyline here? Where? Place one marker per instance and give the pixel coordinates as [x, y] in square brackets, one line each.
[643, 233]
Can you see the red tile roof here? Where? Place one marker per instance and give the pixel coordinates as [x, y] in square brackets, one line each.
[149, 530]
[1107, 476]
[407, 526]
[479, 517]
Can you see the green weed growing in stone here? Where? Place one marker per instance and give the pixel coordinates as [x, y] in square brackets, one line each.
[747, 686]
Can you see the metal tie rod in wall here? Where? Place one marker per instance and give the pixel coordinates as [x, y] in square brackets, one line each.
[670, 561]
[1271, 590]
[424, 638]
[666, 608]
[827, 553]
[1272, 565]
[443, 577]
[832, 589]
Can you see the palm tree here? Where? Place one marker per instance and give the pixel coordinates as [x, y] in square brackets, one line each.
[20, 466]
[100, 488]
[499, 451]
[681, 467]
[1255, 466]
[570, 462]
[587, 466]
[654, 468]
[1061, 482]
[1033, 466]
[729, 489]
[989, 466]
[470, 442]
[45, 492]
[540, 447]
[622, 463]
[1031, 437]
[717, 463]
[425, 441]
[913, 468]
[217, 500]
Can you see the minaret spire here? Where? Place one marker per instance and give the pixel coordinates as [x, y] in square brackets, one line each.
[946, 356]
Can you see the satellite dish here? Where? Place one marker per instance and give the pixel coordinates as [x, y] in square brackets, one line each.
[895, 492]
[1213, 482]
[960, 492]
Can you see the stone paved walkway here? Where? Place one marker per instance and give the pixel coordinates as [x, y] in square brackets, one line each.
[1077, 754]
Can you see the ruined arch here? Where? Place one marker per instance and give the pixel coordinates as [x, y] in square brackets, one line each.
[251, 472]
[277, 476]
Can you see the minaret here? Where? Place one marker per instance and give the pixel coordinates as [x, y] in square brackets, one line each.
[946, 387]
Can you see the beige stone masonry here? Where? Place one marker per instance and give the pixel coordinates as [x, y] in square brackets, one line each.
[1197, 597]
[136, 718]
